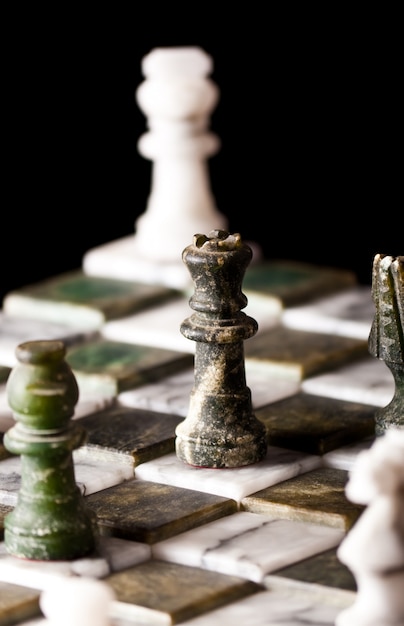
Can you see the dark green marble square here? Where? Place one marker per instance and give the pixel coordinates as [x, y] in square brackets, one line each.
[4, 373]
[149, 512]
[316, 424]
[4, 510]
[294, 282]
[317, 496]
[119, 433]
[76, 299]
[110, 367]
[169, 593]
[298, 354]
[18, 603]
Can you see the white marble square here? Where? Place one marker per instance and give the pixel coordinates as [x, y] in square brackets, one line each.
[345, 457]
[171, 394]
[368, 381]
[91, 476]
[249, 545]
[235, 483]
[349, 313]
[280, 607]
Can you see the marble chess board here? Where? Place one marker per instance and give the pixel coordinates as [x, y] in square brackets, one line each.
[254, 545]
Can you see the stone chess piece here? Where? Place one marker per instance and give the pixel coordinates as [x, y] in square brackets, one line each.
[374, 547]
[220, 429]
[386, 339]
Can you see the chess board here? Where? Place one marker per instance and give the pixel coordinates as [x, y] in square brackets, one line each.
[198, 546]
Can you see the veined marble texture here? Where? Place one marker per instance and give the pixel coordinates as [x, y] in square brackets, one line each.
[172, 394]
[249, 545]
[349, 313]
[368, 381]
[235, 483]
[345, 457]
[91, 476]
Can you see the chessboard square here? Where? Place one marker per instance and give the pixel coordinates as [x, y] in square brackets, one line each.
[74, 298]
[17, 603]
[129, 435]
[321, 569]
[149, 512]
[250, 545]
[235, 483]
[317, 496]
[316, 424]
[299, 354]
[4, 373]
[110, 367]
[4, 510]
[294, 282]
[169, 593]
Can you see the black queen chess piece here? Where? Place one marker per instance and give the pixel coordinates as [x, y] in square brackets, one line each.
[386, 339]
[220, 429]
[50, 521]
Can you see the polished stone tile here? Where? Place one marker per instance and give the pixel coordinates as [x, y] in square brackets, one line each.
[236, 483]
[110, 367]
[298, 354]
[345, 457]
[158, 592]
[317, 496]
[149, 511]
[4, 373]
[17, 603]
[4, 510]
[250, 545]
[368, 381]
[172, 393]
[316, 424]
[293, 282]
[76, 299]
[122, 434]
[349, 313]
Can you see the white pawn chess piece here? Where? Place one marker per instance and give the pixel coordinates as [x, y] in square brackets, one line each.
[77, 602]
[374, 548]
[178, 97]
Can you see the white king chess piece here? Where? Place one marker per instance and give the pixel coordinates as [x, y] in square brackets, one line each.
[178, 97]
[374, 548]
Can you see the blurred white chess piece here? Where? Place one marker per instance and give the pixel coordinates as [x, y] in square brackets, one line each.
[374, 548]
[177, 97]
[77, 602]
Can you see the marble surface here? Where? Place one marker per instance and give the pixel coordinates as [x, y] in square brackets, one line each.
[349, 313]
[236, 483]
[368, 381]
[249, 545]
[172, 393]
[345, 457]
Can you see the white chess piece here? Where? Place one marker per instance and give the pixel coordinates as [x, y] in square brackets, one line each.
[77, 602]
[374, 548]
[178, 97]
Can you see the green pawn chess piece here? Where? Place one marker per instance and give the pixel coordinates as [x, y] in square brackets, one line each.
[220, 429]
[50, 521]
[386, 339]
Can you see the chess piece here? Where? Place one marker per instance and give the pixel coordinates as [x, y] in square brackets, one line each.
[220, 429]
[386, 339]
[77, 602]
[177, 97]
[374, 547]
[49, 521]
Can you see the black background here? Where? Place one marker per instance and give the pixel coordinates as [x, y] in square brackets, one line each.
[309, 118]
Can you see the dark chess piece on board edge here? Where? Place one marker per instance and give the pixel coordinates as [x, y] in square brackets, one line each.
[50, 520]
[386, 339]
[220, 429]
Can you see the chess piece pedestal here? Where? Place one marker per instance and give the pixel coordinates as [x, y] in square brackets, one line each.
[50, 520]
[220, 429]
[177, 97]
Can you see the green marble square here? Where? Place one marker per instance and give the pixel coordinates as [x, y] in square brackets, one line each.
[129, 435]
[18, 603]
[316, 424]
[149, 512]
[4, 510]
[4, 373]
[77, 299]
[110, 367]
[317, 496]
[293, 282]
[298, 354]
[158, 592]
[321, 569]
